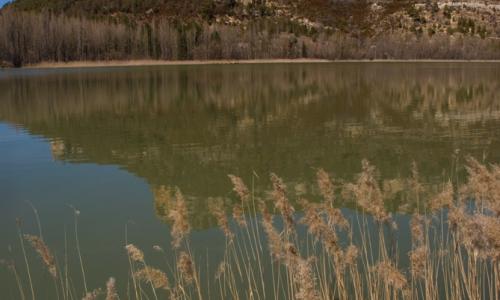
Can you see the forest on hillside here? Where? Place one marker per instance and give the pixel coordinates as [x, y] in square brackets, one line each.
[33, 31]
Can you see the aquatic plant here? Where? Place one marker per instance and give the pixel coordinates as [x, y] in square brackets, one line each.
[178, 214]
[273, 251]
[41, 248]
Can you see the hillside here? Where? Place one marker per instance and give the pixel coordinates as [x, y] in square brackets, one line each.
[259, 28]
[369, 17]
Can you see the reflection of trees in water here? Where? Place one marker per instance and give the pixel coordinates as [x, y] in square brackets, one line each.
[398, 194]
[189, 126]
[366, 91]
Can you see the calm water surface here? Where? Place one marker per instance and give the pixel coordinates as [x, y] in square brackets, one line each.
[108, 141]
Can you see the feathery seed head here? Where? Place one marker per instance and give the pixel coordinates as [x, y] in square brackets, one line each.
[111, 293]
[391, 275]
[135, 253]
[185, 266]
[41, 248]
[281, 201]
[154, 276]
[325, 185]
[178, 214]
[216, 207]
[239, 187]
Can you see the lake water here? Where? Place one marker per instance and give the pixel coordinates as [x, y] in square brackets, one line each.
[108, 140]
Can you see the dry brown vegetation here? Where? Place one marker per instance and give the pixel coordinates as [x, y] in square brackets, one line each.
[455, 248]
[27, 37]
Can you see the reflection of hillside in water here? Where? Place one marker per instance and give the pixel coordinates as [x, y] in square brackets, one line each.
[190, 126]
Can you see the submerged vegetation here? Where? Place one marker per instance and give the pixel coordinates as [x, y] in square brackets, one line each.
[273, 251]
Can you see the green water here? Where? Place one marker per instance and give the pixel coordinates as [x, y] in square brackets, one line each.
[106, 140]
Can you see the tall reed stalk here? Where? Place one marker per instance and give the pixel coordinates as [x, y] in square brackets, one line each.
[273, 251]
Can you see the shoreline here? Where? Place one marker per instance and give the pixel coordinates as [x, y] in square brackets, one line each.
[139, 63]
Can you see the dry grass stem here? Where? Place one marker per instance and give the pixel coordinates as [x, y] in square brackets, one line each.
[330, 253]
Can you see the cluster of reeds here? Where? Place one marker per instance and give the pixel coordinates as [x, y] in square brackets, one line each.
[322, 252]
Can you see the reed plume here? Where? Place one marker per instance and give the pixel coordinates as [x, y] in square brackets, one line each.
[478, 233]
[351, 255]
[414, 180]
[281, 201]
[305, 279]
[273, 237]
[154, 276]
[157, 248]
[325, 185]
[302, 273]
[443, 199]
[178, 214]
[93, 295]
[135, 253]
[335, 218]
[221, 270]
[111, 293]
[162, 201]
[483, 185]
[419, 254]
[288, 254]
[238, 215]
[368, 195]
[43, 251]
[327, 189]
[239, 187]
[418, 261]
[318, 228]
[185, 267]
[216, 207]
[417, 228]
[389, 274]
[463, 256]
[456, 216]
